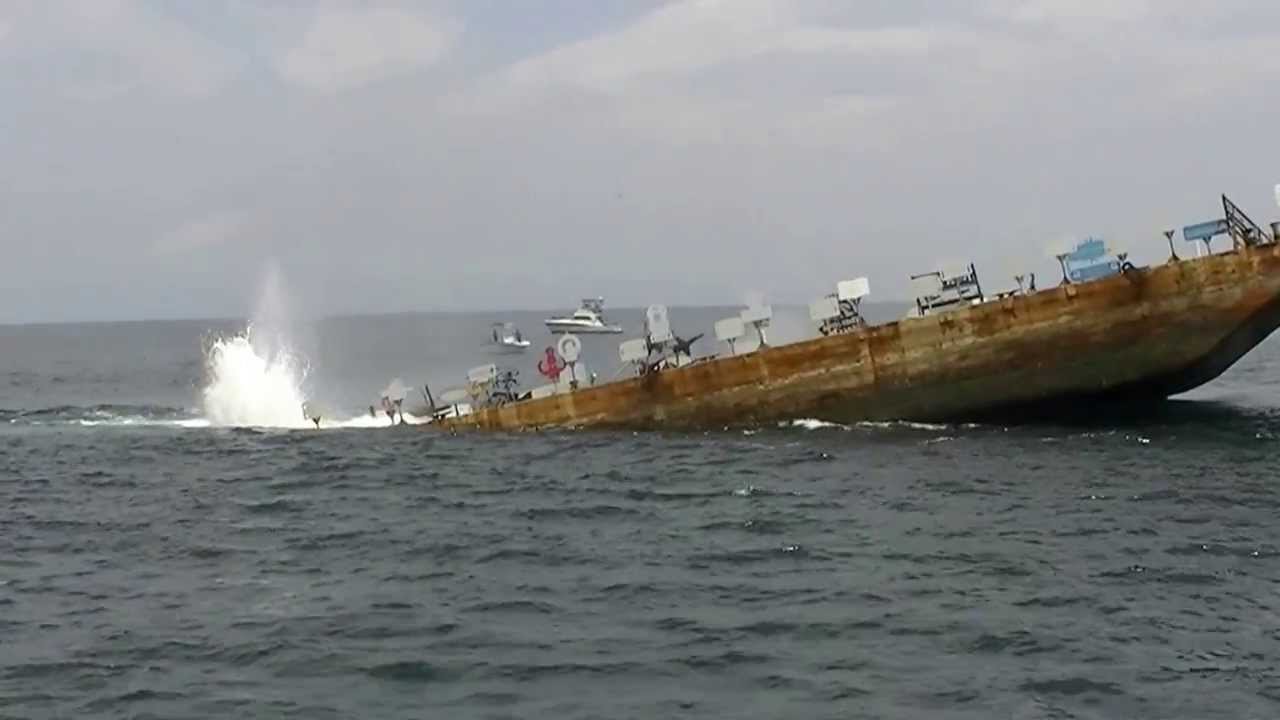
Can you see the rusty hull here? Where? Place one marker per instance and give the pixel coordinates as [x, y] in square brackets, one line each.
[1142, 335]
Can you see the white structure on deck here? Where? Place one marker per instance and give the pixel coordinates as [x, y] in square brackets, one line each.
[730, 330]
[841, 311]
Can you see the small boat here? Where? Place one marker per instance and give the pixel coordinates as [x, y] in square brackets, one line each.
[588, 318]
[508, 338]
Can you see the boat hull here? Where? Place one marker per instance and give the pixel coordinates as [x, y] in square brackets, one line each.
[1139, 336]
[510, 348]
[561, 327]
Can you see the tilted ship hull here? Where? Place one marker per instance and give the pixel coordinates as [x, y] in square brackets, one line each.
[1140, 335]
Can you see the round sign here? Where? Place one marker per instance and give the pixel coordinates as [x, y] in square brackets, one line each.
[569, 347]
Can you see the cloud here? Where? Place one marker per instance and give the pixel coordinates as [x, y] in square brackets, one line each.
[345, 47]
[689, 148]
[210, 231]
[127, 44]
[740, 71]
[1173, 51]
[1089, 13]
[704, 63]
[700, 35]
[131, 45]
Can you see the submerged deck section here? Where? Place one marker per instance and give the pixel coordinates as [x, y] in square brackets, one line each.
[1144, 333]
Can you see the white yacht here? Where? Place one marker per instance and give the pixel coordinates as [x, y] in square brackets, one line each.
[508, 338]
[588, 318]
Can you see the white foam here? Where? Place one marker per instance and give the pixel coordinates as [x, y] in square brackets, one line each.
[141, 421]
[813, 424]
[363, 420]
[901, 424]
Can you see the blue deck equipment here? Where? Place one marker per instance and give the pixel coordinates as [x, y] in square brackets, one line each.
[1205, 232]
[1090, 261]
[1235, 223]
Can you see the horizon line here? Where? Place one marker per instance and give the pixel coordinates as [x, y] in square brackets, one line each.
[360, 315]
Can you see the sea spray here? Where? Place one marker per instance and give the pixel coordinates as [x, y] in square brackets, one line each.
[247, 386]
[273, 320]
[255, 378]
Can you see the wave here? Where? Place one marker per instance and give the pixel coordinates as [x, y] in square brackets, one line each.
[117, 415]
[103, 414]
[1181, 419]
[812, 424]
[881, 425]
[816, 424]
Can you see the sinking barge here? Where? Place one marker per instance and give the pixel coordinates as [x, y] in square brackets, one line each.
[1129, 334]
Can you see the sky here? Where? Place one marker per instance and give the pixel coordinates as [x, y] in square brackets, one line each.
[159, 155]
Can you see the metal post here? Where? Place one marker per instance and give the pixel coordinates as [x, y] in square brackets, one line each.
[1173, 256]
[1062, 260]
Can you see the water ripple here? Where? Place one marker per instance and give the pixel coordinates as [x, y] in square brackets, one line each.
[785, 573]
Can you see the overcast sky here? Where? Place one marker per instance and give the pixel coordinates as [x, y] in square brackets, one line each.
[496, 153]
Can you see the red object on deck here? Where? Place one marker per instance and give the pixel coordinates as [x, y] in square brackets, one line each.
[551, 366]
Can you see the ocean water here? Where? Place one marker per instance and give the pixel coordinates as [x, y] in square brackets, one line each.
[157, 560]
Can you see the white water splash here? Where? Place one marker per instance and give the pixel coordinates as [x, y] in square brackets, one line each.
[256, 384]
[253, 387]
[257, 378]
